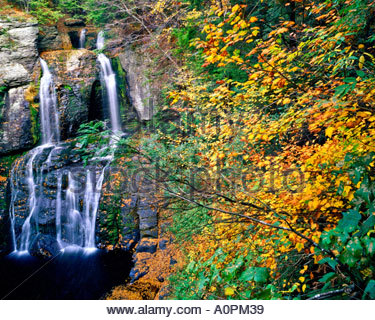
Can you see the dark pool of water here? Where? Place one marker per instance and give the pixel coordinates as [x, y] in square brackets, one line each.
[70, 275]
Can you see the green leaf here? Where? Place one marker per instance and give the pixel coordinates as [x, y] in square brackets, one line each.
[367, 225]
[363, 192]
[370, 289]
[355, 247]
[261, 275]
[332, 263]
[350, 221]
[264, 295]
[360, 73]
[369, 244]
[256, 274]
[327, 277]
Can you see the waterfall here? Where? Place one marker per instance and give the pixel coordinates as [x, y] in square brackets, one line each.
[73, 226]
[58, 211]
[109, 79]
[49, 119]
[77, 194]
[13, 179]
[48, 107]
[26, 228]
[100, 41]
[92, 197]
[82, 39]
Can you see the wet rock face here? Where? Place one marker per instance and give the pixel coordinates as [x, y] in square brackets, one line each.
[49, 39]
[18, 66]
[15, 122]
[75, 72]
[138, 84]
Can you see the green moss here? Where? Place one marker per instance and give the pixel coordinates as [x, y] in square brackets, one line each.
[34, 117]
[125, 106]
[35, 125]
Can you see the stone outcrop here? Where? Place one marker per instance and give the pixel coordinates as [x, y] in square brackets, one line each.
[16, 127]
[138, 85]
[18, 68]
[50, 39]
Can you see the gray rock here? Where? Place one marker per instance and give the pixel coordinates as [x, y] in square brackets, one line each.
[163, 244]
[18, 64]
[14, 75]
[147, 246]
[150, 233]
[74, 23]
[136, 274]
[49, 39]
[15, 123]
[44, 245]
[18, 44]
[139, 89]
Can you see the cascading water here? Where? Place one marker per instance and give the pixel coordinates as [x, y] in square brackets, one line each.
[82, 39]
[109, 79]
[77, 193]
[12, 213]
[48, 107]
[92, 197]
[50, 135]
[33, 202]
[100, 41]
[58, 211]
[73, 225]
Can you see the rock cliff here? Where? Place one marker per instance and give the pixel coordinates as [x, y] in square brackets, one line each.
[19, 68]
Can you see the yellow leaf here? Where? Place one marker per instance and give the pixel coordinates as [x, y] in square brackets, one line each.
[229, 291]
[235, 8]
[361, 62]
[303, 270]
[329, 131]
[299, 246]
[286, 101]
[304, 288]
[253, 19]
[301, 279]
[363, 114]
[243, 24]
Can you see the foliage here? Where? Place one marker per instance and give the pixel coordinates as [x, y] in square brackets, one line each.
[268, 170]
[42, 10]
[93, 141]
[73, 7]
[276, 128]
